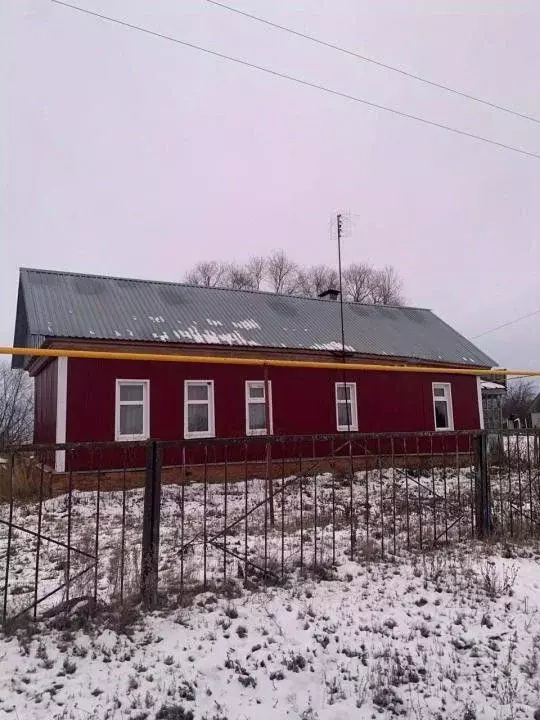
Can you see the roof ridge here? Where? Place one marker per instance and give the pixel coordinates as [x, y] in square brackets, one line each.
[217, 287]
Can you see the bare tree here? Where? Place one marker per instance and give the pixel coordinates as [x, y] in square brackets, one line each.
[518, 400]
[256, 268]
[357, 279]
[282, 273]
[315, 280]
[237, 277]
[206, 273]
[386, 287]
[16, 406]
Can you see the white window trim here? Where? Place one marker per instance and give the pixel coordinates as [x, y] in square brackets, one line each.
[480, 403]
[260, 402]
[211, 432]
[354, 406]
[448, 398]
[146, 410]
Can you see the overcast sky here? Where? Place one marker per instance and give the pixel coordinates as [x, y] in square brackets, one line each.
[125, 154]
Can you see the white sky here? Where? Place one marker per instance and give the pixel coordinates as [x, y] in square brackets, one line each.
[128, 155]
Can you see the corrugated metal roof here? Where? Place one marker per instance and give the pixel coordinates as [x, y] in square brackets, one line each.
[71, 305]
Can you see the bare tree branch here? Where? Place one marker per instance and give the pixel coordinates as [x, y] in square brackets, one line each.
[237, 277]
[206, 273]
[315, 280]
[16, 406]
[386, 287]
[282, 273]
[256, 268]
[518, 400]
[357, 280]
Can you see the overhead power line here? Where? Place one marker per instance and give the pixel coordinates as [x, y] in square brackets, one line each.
[507, 324]
[299, 81]
[373, 61]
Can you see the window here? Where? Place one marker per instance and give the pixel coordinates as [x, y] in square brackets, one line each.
[199, 420]
[442, 406]
[346, 410]
[132, 403]
[256, 407]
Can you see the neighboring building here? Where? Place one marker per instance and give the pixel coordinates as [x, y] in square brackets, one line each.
[535, 412]
[493, 395]
[105, 400]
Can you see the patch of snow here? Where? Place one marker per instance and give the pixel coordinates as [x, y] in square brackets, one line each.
[212, 337]
[332, 345]
[486, 384]
[247, 325]
[215, 323]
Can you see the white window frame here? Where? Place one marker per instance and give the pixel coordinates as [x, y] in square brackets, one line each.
[259, 401]
[211, 432]
[447, 387]
[146, 410]
[354, 406]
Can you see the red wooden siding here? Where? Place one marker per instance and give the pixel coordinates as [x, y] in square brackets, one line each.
[45, 389]
[303, 400]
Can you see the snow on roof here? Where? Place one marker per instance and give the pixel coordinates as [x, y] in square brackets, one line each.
[486, 385]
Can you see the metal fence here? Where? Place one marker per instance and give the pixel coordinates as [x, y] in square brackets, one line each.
[168, 519]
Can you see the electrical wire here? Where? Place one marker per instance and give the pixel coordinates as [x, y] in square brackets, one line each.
[373, 61]
[507, 324]
[299, 81]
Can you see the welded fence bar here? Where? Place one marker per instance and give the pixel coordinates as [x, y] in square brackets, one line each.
[529, 478]
[367, 506]
[96, 544]
[433, 491]
[315, 520]
[282, 513]
[458, 482]
[445, 490]
[394, 517]
[482, 487]
[225, 509]
[407, 508]
[510, 500]
[38, 542]
[182, 517]
[205, 517]
[246, 514]
[11, 463]
[69, 510]
[301, 491]
[351, 504]
[520, 485]
[123, 529]
[381, 492]
[266, 499]
[151, 518]
[333, 481]
[420, 516]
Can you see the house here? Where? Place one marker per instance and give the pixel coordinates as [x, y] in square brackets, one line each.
[95, 400]
[535, 412]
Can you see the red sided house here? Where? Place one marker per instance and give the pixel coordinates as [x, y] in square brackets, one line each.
[83, 400]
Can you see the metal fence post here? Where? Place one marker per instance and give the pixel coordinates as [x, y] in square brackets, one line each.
[482, 494]
[150, 533]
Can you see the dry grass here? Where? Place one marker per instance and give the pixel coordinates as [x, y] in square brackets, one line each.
[24, 479]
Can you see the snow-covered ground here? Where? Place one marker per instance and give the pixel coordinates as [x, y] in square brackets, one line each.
[450, 635]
